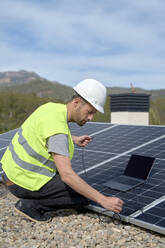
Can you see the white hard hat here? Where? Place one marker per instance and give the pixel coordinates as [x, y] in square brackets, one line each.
[93, 92]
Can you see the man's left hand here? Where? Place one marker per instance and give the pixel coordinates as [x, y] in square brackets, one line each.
[82, 140]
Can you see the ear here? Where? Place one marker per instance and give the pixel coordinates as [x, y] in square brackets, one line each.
[76, 102]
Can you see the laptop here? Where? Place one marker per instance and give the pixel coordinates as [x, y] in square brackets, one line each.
[136, 172]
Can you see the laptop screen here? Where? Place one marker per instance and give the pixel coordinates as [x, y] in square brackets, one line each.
[139, 166]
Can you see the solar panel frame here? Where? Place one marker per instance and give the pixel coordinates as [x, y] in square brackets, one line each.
[110, 150]
[147, 195]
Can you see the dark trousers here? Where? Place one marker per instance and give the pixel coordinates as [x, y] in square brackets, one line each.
[53, 195]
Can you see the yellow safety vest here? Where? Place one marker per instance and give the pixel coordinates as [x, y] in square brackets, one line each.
[27, 161]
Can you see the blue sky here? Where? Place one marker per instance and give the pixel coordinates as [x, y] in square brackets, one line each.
[115, 41]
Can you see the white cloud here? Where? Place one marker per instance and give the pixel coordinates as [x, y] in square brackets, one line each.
[117, 42]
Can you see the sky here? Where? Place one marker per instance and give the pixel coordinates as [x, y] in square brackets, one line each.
[117, 42]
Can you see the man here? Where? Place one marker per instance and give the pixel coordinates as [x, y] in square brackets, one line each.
[37, 163]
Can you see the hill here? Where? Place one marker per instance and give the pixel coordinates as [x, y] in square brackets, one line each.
[17, 77]
[22, 92]
[31, 82]
[42, 88]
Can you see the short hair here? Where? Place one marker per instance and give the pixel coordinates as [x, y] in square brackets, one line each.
[76, 95]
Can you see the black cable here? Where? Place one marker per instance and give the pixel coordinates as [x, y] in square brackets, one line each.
[83, 163]
[116, 217]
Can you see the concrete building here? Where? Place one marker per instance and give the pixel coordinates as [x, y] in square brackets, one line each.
[130, 108]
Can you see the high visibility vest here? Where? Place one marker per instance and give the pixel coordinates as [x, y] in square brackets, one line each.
[27, 161]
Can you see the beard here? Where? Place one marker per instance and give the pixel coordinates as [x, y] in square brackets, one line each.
[81, 123]
[79, 120]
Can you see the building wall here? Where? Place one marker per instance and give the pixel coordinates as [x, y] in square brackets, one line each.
[131, 118]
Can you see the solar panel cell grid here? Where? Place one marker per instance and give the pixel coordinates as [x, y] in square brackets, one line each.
[8, 135]
[155, 215]
[106, 157]
[84, 159]
[2, 152]
[161, 223]
[155, 149]
[148, 218]
[4, 143]
[88, 128]
[124, 141]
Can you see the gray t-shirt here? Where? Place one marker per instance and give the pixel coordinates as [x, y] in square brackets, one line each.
[58, 144]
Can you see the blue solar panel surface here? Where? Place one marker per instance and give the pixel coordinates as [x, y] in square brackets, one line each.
[155, 215]
[5, 139]
[106, 157]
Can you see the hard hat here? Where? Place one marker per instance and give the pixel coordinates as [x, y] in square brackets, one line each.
[93, 92]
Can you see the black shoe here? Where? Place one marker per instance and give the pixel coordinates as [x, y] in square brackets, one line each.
[31, 213]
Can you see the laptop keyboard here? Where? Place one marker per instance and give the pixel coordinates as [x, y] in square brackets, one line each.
[126, 180]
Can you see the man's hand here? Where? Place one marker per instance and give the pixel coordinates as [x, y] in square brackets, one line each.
[113, 203]
[82, 140]
[74, 181]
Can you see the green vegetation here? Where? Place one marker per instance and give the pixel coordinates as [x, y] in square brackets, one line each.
[157, 112]
[42, 88]
[106, 116]
[22, 92]
[16, 107]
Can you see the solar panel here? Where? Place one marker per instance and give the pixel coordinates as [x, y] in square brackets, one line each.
[115, 144]
[5, 139]
[106, 157]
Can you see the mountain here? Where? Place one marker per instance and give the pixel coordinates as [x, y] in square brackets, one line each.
[17, 77]
[31, 82]
[21, 92]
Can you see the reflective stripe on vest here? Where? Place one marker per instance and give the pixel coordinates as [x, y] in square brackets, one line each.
[28, 166]
[23, 142]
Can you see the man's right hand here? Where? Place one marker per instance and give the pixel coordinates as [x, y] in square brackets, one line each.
[74, 181]
[113, 203]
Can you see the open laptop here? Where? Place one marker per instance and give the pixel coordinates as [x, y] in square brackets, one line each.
[136, 172]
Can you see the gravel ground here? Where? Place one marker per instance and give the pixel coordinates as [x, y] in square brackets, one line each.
[70, 229]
